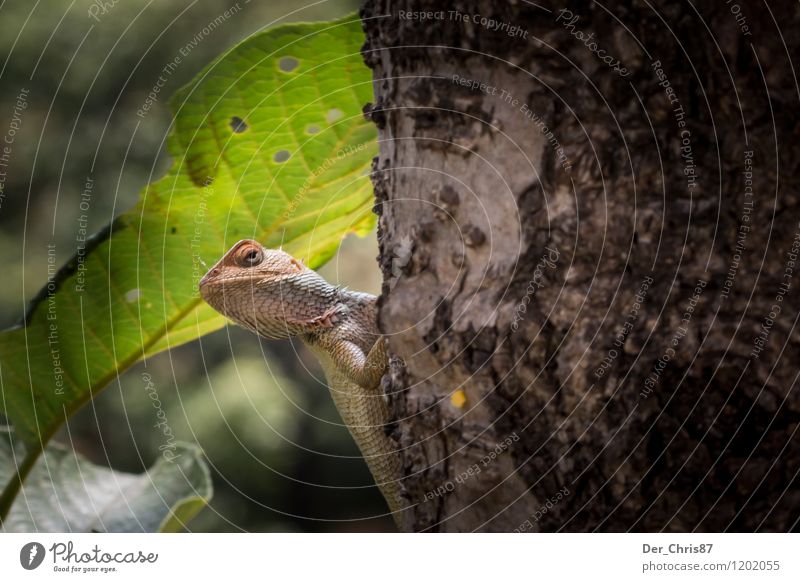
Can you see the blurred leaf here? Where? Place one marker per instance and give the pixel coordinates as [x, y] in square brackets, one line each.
[269, 143]
[66, 493]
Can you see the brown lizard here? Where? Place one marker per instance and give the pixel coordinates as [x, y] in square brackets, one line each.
[276, 296]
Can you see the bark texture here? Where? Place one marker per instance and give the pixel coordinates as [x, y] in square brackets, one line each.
[589, 281]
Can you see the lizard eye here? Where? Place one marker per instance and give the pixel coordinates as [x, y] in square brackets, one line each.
[249, 257]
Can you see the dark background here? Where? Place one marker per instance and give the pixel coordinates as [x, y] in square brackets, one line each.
[258, 409]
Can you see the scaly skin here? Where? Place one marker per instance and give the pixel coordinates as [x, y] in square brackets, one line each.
[274, 295]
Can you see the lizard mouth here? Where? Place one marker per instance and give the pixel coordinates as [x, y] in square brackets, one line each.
[212, 279]
[216, 290]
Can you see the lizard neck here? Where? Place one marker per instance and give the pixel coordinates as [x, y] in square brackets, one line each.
[353, 322]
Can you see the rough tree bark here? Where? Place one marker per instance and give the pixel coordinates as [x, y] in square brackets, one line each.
[576, 245]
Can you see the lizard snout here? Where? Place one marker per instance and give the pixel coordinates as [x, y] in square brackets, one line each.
[209, 276]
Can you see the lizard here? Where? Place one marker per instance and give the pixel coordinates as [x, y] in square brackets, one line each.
[276, 296]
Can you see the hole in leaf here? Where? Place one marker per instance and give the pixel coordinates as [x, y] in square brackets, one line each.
[288, 64]
[333, 115]
[312, 129]
[238, 125]
[281, 156]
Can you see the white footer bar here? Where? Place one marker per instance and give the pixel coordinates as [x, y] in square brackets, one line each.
[401, 558]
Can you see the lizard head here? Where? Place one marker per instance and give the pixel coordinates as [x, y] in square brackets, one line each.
[268, 291]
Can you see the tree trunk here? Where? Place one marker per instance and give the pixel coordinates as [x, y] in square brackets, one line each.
[588, 228]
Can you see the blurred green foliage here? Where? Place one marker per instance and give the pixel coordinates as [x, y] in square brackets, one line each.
[263, 416]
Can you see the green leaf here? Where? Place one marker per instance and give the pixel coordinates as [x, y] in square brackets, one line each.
[66, 493]
[296, 91]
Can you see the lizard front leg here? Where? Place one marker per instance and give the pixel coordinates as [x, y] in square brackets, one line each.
[368, 370]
